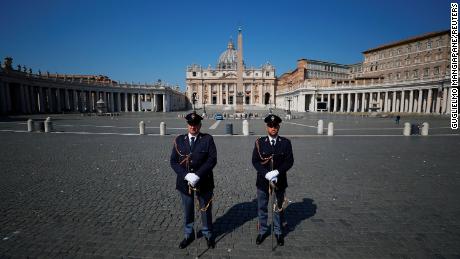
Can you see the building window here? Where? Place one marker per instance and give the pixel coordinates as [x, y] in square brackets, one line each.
[399, 51]
[194, 73]
[436, 71]
[267, 73]
[419, 46]
[390, 76]
[409, 49]
[230, 100]
[427, 58]
[406, 74]
[428, 44]
[426, 72]
[398, 75]
[415, 75]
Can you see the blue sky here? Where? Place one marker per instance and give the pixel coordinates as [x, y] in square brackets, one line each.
[143, 41]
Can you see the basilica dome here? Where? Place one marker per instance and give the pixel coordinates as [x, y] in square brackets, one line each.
[228, 59]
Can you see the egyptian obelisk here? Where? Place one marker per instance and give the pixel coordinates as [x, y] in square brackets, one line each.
[239, 82]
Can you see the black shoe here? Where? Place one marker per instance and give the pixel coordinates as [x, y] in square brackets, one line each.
[186, 242]
[260, 238]
[211, 242]
[279, 240]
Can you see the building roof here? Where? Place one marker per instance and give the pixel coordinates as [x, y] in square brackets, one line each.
[409, 40]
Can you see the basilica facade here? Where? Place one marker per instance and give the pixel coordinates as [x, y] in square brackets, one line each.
[231, 84]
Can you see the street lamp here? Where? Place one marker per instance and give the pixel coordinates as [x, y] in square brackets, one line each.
[193, 101]
[289, 99]
[204, 104]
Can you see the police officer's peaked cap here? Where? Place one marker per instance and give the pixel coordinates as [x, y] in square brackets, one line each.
[193, 118]
[272, 119]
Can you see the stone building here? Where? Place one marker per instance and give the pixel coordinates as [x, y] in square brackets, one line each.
[231, 84]
[22, 92]
[410, 75]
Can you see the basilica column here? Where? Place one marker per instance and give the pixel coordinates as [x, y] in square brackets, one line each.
[27, 98]
[444, 103]
[126, 101]
[411, 100]
[22, 98]
[386, 102]
[118, 102]
[342, 102]
[3, 97]
[348, 102]
[51, 100]
[335, 102]
[429, 101]
[8, 97]
[75, 100]
[41, 103]
[393, 104]
[66, 99]
[403, 100]
[112, 101]
[356, 102]
[58, 100]
[420, 99]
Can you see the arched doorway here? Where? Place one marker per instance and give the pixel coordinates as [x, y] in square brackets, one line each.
[267, 98]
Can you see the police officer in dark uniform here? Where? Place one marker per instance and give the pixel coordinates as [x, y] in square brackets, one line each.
[193, 157]
[272, 158]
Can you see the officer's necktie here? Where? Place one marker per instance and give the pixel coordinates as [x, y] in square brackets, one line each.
[273, 142]
[192, 143]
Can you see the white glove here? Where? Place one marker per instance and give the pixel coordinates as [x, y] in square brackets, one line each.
[270, 175]
[192, 178]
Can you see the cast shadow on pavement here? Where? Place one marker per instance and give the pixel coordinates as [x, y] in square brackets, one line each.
[234, 218]
[297, 212]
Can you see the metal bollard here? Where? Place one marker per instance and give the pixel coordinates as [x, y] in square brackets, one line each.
[229, 129]
[245, 128]
[330, 129]
[141, 128]
[320, 127]
[406, 131]
[425, 129]
[162, 128]
[48, 126]
[30, 125]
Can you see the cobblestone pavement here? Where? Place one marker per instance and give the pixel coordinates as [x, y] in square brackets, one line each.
[72, 195]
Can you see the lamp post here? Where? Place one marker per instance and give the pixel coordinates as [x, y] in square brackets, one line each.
[289, 99]
[204, 104]
[193, 101]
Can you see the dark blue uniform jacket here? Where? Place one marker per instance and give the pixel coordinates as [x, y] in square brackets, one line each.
[282, 161]
[201, 161]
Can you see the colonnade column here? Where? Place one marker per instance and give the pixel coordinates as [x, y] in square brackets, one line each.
[420, 98]
[341, 102]
[75, 100]
[3, 97]
[411, 100]
[118, 102]
[356, 102]
[393, 103]
[438, 101]
[329, 102]
[349, 102]
[429, 101]
[401, 109]
[363, 102]
[386, 102]
[444, 100]
[335, 103]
